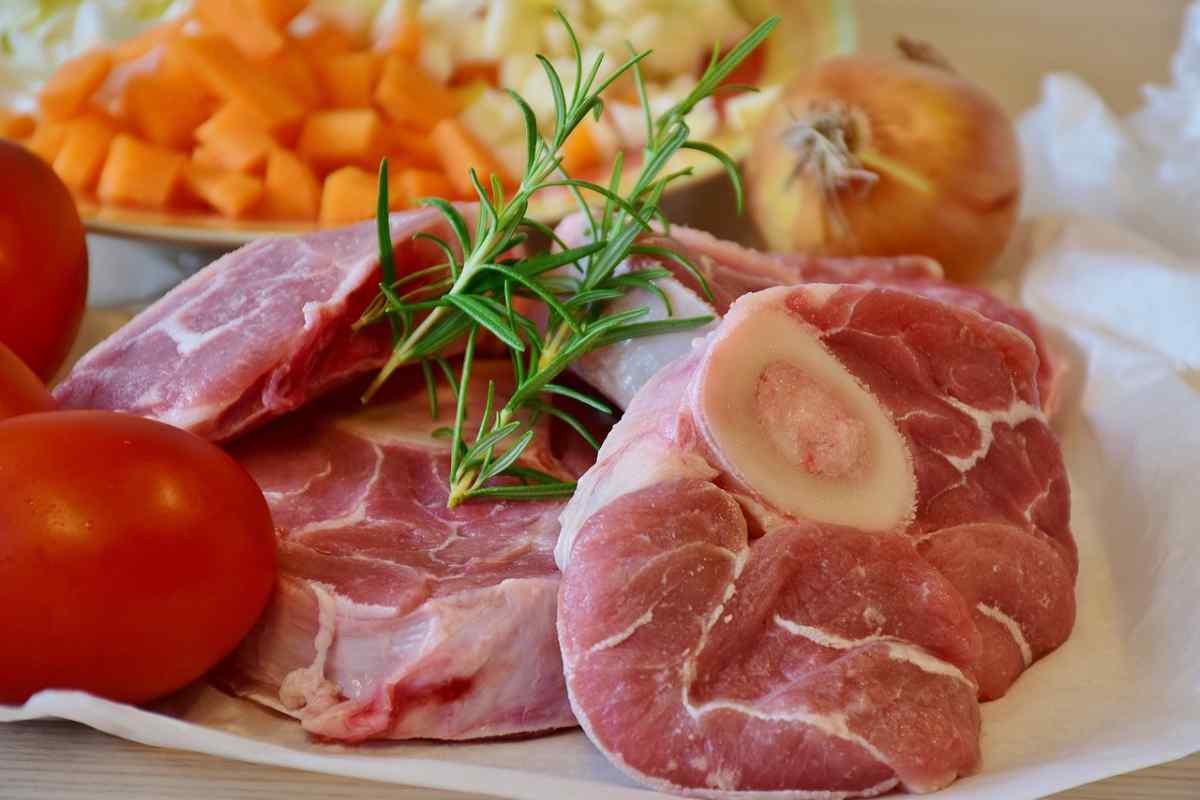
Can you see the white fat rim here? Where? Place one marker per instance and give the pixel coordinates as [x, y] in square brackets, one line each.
[621, 369]
[1014, 630]
[833, 725]
[897, 649]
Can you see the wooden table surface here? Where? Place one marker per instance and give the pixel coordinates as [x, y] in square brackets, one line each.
[1005, 44]
[65, 761]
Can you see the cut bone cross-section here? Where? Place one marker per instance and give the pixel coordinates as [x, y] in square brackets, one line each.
[792, 426]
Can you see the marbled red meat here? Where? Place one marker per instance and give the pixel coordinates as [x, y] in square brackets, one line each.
[732, 270]
[811, 547]
[253, 335]
[395, 616]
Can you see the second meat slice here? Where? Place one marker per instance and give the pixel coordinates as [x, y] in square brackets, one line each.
[812, 545]
[396, 617]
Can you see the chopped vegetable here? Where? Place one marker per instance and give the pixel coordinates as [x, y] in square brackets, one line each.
[484, 73]
[341, 136]
[255, 35]
[143, 43]
[348, 196]
[292, 191]
[404, 36]
[349, 78]
[415, 184]
[164, 109]
[231, 193]
[581, 150]
[411, 97]
[227, 83]
[69, 89]
[295, 72]
[404, 146]
[219, 66]
[16, 126]
[234, 138]
[327, 39]
[277, 12]
[137, 173]
[48, 139]
[461, 152]
[84, 149]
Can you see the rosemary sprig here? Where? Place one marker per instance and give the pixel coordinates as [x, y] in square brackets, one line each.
[475, 287]
[501, 218]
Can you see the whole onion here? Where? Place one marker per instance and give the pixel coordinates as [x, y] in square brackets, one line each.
[873, 156]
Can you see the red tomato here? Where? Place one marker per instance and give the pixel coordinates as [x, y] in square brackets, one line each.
[21, 392]
[43, 261]
[133, 555]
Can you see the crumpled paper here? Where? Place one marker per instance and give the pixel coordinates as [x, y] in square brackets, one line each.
[1109, 258]
[1141, 172]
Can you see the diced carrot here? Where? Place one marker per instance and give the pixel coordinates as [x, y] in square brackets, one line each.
[397, 198]
[294, 72]
[411, 97]
[47, 139]
[208, 156]
[173, 65]
[580, 150]
[349, 78]
[218, 65]
[74, 83]
[405, 187]
[243, 24]
[83, 152]
[468, 72]
[15, 126]
[231, 193]
[164, 110]
[459, 152]
[418, 183]
[234, 139]
[466, 94]
[278, 12]
[333, 138]
[328, 39]
[349, 195]
[146, 41]
[292, 190]
[409, 148]
[138, 173]
[404, 38]
[99, 112]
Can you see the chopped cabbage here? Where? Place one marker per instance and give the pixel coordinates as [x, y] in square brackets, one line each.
[35, 37]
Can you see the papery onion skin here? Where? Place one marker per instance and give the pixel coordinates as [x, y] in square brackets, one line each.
[950, 182]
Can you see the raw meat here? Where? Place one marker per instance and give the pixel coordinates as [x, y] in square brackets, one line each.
[732, 271]
[812, 545]
[253, 335]
[396, 617]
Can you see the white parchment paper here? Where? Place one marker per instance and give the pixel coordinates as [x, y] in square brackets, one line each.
[1111, 260]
